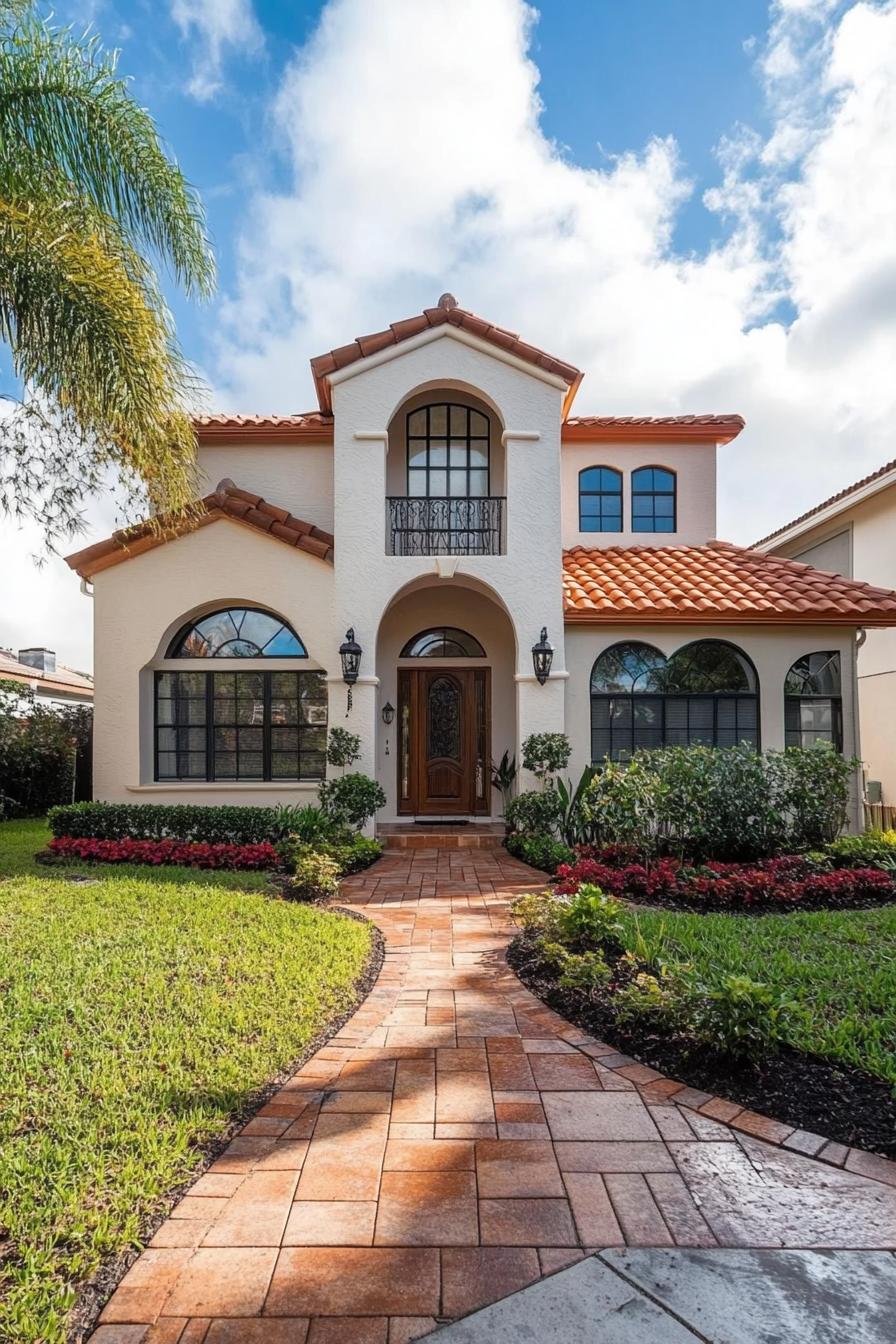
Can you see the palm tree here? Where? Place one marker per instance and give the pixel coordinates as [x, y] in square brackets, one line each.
[91, 206]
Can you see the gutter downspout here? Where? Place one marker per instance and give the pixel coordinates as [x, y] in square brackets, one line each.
[86, 588]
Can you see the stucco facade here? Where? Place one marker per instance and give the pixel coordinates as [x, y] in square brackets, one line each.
[300, 523]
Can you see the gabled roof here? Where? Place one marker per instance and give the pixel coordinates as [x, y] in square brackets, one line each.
[718, 582]
[878, 479]
[448, 312]
[62, 679]
[663, 428]
[227, 501]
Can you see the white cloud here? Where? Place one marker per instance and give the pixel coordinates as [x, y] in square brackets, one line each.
[211, 27]
[420, 165]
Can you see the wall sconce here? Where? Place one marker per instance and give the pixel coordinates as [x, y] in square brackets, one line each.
[542, 657]
[350, 655]
[388, 713]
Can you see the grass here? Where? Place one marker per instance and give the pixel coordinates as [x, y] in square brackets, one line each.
[138, 1015]
[839, 965]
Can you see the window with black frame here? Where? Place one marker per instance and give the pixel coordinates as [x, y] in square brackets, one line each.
[448, 452]
[813, 705]
[247, 723]
[706, 694]
[653, 500]
[600, 500]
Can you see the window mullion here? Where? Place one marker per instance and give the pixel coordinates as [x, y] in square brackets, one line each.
[266, 725]
[209, 725]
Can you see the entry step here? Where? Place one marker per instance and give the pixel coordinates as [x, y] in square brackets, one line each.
[436, 835]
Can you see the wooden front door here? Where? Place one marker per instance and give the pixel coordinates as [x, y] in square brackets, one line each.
[443, 737]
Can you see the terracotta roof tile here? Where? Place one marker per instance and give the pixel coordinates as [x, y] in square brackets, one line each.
[233, 428]
[713, 583]
[227, 501]
[833, 499]
[592, 428]
[447, 311]
[63, 678]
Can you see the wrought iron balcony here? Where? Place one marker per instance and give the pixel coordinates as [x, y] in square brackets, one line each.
[471, 526]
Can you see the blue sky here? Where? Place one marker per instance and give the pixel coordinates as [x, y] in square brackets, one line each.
[692, 200]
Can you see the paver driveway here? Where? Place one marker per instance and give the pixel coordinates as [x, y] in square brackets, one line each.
[458, 1140]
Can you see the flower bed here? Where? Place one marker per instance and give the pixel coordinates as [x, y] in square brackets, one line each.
[786, 883]
[186, 854]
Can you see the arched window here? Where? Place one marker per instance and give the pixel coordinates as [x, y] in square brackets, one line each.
[813, 708]
[251, 724]
[237, 632]
[448, 452]
[707, 693]
[443, 642]
[653, 500]
[600, 500]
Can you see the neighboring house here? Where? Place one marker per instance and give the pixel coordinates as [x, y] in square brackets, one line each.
[854, 533]
[443, 504]
[52, 684]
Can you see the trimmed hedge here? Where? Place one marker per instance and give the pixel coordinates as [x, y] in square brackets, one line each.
[156, 821]
[183, 853]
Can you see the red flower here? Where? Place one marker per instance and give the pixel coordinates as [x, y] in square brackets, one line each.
[185, 853]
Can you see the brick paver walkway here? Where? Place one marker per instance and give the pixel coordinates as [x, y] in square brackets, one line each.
[458, 1140]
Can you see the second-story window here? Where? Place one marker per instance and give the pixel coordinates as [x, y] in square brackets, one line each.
[448, 449]
[600, 500]
[653, 500]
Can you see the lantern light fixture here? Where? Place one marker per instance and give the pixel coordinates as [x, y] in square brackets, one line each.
[350, 656]
[388, 712]
[542, 657]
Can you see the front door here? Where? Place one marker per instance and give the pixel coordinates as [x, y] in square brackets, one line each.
[444, 732]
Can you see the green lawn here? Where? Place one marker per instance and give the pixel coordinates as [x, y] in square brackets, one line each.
[137, 1015]
[841, 966]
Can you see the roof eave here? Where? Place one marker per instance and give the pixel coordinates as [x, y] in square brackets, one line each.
[827, 513]
[628, 432]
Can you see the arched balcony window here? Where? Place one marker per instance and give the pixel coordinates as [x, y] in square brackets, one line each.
[813, 705]
[653, 500]
[600, 500]
[706, 694]
[444, 641]
[248, 724]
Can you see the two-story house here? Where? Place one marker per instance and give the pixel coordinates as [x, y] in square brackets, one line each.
[444, 506]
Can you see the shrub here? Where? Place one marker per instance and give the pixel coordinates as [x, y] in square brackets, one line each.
[535, 813]
[575, 827]
[742, 1018]
[546, 753]
[37, 751]
[343, 747]
[535, 911]
[184, 853]
[659, 1001]
[351, 799]
[156, 821]
[354, 854]
[540, 851]
[314, 876]
[726, 803]
[308, 822]
[593, 918]
[587, 971]
[873, 849]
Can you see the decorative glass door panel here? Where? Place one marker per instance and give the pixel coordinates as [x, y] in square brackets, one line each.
[443, 731]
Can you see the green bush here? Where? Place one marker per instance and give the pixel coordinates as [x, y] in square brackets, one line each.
[723, 803]
[343, 747]
[308, 822]
[354, 854]
[540, 851]
[351, 800]
[661, 1000]
[314, 875]
[158, 821]
[742, 1018]
[38, 749]
[546, 753]
[593, 918]
[535, 813]
[874, 849]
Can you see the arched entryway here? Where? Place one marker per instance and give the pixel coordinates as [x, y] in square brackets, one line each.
[445, 660]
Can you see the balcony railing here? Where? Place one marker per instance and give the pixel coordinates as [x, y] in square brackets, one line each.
[446, 526]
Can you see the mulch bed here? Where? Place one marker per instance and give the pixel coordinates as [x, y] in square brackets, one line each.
[806, 1091]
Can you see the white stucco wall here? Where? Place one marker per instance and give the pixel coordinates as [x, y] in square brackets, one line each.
[694, 465]
[295, 476]
[870, 527]
[139, 606]
[447, 602]
[772, 650]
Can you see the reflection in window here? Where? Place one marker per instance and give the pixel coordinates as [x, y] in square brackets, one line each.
[706, 694]
[237, 632]
[653, 500]
[600, 500]
[240, 725]
[443, 642]
[448, 452]
[813, 707]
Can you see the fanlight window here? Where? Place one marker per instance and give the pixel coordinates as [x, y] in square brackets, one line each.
[706, 694]
[653, 500]
[813, 708]
[448, 452]
[237, 632]
[600, 500]
[443, 642]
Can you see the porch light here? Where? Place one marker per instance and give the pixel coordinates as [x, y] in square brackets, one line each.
[388, 713]
[350, 656]
[542, 657]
